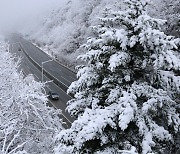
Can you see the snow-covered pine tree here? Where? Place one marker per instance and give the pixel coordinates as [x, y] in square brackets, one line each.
[126, 97]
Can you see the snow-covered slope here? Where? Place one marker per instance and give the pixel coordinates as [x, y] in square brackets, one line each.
[66, 28]
[62, 32]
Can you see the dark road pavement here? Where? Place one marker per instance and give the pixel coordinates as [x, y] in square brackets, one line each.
[31, 62]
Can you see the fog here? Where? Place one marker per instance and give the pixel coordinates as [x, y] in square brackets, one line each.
[18, 14]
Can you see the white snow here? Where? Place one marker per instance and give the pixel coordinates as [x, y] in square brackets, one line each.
[26, 123]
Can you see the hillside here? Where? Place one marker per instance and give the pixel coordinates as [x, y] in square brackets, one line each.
[67, 27]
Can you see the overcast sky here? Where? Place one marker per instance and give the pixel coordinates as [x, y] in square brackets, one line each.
[15, 13]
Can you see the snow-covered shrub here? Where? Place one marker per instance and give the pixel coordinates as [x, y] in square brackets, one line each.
[27, 125]
[127, 96]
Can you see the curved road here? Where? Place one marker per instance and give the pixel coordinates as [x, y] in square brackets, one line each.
[59, 76]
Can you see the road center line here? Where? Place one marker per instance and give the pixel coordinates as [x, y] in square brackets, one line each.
[46, 77]
[36, 76]
[73, 78]
[62, 114]
[66, 80]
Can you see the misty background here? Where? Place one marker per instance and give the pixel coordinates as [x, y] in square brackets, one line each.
[18, 14]
[60, 27]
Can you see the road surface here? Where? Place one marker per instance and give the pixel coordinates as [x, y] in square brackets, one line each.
[60, 77]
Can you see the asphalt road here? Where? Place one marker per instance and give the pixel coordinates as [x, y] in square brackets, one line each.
[59, 77]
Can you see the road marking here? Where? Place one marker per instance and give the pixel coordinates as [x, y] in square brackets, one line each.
[61, 113]
[44, 69]
[40, 66]
[24, 73]
[49, 88]
[52, 102]
[36, 76]
[61, 89]
[66, 80]
[28, 67]
[54, 58]
[73, 78]
[47, 77]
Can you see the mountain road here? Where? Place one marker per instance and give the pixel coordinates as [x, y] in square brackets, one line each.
[57, 76]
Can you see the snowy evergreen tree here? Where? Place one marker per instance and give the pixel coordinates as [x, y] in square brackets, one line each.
[27, 125]
[127, 97]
